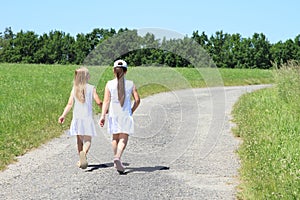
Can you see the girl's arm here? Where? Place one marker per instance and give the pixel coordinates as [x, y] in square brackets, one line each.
[96, 98]
[105, 105]
[136, 98]
[68, 107]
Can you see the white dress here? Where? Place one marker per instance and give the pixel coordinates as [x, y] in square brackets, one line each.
[120, 118]
[82, 121]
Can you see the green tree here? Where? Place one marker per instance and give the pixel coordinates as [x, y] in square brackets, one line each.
[97, 36]
[6, 45]
[200, 39]
[53, 47]
[115, 47]
[147, 53]
[42, 55]
[261, 52]
[297, 48]
[277, 53]
[235, 51]
[56, 47]
[68, 50]
[217, 48]
[82, 48]
[25, 46]
[282, 52]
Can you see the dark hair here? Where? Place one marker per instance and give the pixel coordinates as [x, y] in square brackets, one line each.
[120, 72]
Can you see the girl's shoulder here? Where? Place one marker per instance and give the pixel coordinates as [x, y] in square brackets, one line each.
[90, 88]
[113, 81]
[89, 85]
[129, 83]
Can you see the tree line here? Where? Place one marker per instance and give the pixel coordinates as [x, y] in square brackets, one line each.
[102, 46]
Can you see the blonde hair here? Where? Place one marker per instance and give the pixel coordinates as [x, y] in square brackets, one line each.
[80, 80]
[120, 72]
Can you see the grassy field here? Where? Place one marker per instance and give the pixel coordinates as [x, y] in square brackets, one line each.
[33, 96]
[268, 123]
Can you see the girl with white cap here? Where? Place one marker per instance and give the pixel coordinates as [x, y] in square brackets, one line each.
[117, 101]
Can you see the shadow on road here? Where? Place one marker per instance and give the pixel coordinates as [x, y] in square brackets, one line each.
[146, 169]
[93, 167]
[99, 166]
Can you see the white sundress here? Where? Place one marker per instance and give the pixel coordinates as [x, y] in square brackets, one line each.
[120, 118]
[82, 121]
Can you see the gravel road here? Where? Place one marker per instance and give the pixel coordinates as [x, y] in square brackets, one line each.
[183, 148]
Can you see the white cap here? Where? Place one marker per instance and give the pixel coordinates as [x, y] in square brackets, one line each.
[120, 63]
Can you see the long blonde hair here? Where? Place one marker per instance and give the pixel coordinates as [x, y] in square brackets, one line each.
[120, 72]
[80, 80]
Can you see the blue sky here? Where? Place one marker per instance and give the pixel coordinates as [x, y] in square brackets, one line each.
[277, 19]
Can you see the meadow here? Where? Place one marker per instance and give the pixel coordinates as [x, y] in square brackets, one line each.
[33, 97]
[268, 123]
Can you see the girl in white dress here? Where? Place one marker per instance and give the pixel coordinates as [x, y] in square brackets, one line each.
[118, 104]
[82, 124]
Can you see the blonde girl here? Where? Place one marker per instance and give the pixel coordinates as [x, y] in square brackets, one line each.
[82, 125]
[118, 104]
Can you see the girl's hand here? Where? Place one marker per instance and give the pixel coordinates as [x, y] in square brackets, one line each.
[61, 119]
[102, 121]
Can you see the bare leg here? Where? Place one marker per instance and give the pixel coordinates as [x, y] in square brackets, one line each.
[87, 143]
[79, 143]
[114, 142]
[83, 146]
[119, 144]
[123, 138]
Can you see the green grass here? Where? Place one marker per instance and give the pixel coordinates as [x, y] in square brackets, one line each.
[268, 123]
[246, 76]
[153, 80]
[33, 96]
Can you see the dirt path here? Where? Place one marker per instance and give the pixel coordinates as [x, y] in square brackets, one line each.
[183, 149]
